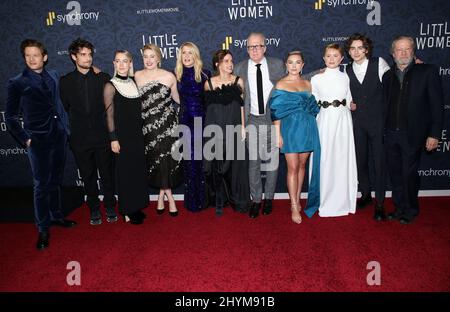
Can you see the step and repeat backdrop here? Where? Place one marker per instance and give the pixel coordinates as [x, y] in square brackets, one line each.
[307, 25]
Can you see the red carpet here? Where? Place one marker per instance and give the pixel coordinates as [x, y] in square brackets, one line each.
[201, 252]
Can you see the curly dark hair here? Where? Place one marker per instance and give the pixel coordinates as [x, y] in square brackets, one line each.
[78, 44]
[367, 43]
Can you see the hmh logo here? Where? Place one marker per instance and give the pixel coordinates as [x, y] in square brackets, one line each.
[318, 4]
[51, 17]
[226, 44]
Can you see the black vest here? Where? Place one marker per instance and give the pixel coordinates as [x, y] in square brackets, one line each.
[367, 95]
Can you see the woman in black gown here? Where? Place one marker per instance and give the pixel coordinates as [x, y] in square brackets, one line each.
[123, 111]
[227, 162]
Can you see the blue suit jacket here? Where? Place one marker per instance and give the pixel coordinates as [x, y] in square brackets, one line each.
[40, 113]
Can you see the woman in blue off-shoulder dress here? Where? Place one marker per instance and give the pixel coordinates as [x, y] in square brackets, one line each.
[294, 111]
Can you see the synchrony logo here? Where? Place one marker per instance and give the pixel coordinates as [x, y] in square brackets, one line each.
[227, 43]
[373, 17]
[73, 17]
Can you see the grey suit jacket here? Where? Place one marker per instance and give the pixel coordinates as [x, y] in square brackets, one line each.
[276, 72]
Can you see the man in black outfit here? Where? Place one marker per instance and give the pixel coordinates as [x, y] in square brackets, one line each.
[413, 116]
[365, 73]
[82, 97]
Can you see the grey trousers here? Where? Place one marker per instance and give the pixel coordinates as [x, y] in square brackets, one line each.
[263, 158]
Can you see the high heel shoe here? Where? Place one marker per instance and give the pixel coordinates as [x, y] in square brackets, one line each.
[296, 213]
[173, 213]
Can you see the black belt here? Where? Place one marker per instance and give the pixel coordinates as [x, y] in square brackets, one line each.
[335, 103]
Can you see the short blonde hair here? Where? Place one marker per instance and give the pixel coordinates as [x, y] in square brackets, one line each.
[130, 57]
[198, 64]
[154, 48]
[334, 46]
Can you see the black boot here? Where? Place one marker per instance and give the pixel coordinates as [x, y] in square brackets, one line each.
[267, 207]
[42, 241]
[254, 210]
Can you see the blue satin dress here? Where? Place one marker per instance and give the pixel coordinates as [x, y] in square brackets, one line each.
[297, 112]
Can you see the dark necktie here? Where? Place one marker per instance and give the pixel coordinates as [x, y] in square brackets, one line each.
[259, 84]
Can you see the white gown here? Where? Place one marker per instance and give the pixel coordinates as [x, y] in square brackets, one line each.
[338, 172]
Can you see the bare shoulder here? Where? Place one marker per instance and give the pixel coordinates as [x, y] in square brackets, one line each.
[281, 83]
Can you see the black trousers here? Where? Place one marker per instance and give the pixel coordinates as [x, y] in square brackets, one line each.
[403, 162]
[369, 138]
[89, 159]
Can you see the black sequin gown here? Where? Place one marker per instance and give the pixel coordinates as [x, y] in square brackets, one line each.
[160, 123]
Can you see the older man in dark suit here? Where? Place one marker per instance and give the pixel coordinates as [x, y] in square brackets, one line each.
[35, 94]
[413, 116]
[260, 74]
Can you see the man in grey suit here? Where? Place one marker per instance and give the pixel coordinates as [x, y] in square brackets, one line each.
[260, 74]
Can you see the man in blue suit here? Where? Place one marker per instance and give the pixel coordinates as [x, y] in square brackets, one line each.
[35, 95]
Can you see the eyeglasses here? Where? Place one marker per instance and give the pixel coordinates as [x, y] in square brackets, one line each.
[255, 47]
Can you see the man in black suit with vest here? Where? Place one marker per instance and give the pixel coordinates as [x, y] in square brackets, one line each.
[365, 73]
[413, 117]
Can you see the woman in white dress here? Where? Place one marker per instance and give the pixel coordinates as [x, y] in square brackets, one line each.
[338, 174]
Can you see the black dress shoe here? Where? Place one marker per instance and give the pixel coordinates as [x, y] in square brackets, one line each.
[64, 223]
[404, 220]
[267, 210]
[364, 201]
[379, 213]
[254, 210]
[42, 241]
[393, 216]
[173, 213]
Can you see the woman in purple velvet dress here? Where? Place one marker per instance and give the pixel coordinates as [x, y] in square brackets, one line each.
[191, 77]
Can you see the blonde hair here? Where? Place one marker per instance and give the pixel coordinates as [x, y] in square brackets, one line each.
[154, 48]
[130, 57]
[334, 46]
[198, 64]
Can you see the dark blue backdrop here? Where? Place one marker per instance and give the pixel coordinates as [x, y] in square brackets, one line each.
[211, 24]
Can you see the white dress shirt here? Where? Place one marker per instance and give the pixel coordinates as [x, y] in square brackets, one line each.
[361, 69]
[253, 92]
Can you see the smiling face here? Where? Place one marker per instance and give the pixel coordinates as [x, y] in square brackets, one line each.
[187, 56]
[34, 58]
[226, 65]
[83, 58]
[150, 59]
[122, 64]
[357, 51]
[332, 58]
[294, 64]
[256, 48]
